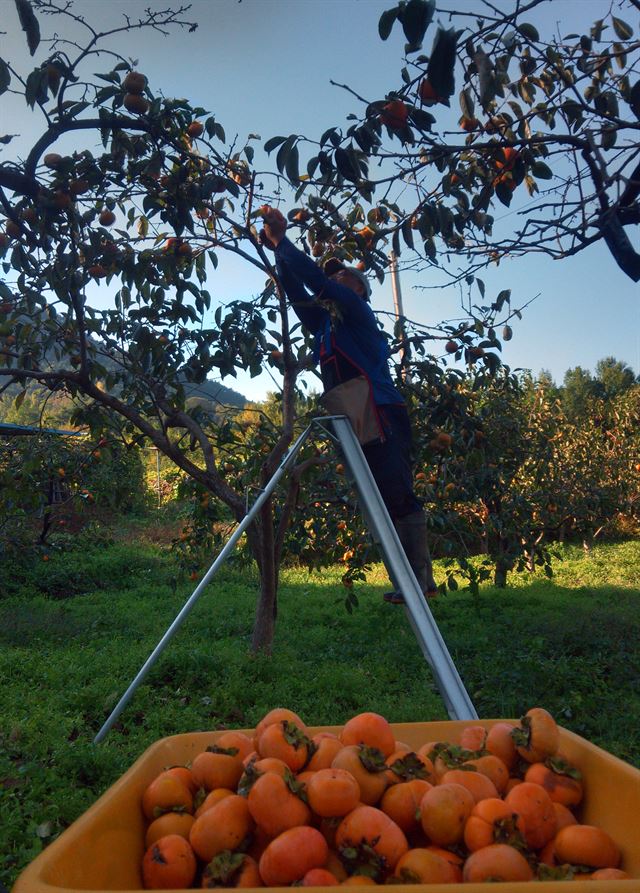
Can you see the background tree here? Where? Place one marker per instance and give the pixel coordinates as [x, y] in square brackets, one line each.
[579, 391]
[144, 204]
[545, 380]
[53, 484]
[614, 377]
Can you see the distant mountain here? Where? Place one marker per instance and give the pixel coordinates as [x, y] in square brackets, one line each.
[213, 394]
[210, 395]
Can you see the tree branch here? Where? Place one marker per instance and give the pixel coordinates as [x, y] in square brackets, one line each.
[67, 126]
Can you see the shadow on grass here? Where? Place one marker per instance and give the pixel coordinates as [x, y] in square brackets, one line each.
[570, 650]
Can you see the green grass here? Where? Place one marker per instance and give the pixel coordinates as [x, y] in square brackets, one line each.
[75, 630]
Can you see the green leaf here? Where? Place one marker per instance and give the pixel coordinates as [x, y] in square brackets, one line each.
[36, 87]
[292, 165]
[272, 143]
[528, 31]
[325, 136]
[486, 77]
[283, 152]
[542, 171]
[407, 233]
[110, 78]
[416, 18]
[312, 165]
[29, 24]
[5, 76]
[440, 71]
[467, 105]
[620, 56]
[634, 99]
[77, 108]
[421, 119]
[430, 249]
[622, 29]
[363, 137]
[346, 166]
[386, 22]
[503, 297]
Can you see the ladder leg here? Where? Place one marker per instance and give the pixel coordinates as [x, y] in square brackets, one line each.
[450, 685]
[197, 592]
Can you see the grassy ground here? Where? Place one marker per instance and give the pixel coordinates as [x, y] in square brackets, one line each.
[75, 630]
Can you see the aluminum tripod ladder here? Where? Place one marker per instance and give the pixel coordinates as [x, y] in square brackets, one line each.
[338, 428]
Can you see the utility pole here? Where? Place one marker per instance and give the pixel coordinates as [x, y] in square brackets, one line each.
[398, 310]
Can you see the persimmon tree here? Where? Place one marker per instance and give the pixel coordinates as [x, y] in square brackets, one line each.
[144, 214]
[145, 202]
[51, 483]
[489, 111]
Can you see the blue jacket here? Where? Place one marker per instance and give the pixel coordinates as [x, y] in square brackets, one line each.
[348, 338]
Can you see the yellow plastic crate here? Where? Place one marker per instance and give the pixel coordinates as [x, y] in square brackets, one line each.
[103, 849]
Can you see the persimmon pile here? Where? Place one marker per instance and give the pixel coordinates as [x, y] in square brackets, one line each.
[283, 807]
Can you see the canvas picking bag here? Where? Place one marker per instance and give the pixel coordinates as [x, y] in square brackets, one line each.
[353, 399]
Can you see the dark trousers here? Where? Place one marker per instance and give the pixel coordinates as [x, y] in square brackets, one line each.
[390, 462]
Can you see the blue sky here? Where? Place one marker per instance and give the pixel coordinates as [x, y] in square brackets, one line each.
[265, 66]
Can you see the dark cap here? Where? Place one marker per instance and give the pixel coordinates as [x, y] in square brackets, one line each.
[333, 264]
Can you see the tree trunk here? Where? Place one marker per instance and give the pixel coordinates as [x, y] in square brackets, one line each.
[503, 565]
[500, 576]
[46, 514]
[267, 607]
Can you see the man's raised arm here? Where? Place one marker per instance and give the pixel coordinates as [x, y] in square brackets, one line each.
[303, 267]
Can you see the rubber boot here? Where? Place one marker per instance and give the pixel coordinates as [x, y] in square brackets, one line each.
[412, 532]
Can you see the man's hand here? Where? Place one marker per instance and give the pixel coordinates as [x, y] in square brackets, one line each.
[275, 227]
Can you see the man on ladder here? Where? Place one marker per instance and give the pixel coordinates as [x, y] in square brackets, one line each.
[348, 344]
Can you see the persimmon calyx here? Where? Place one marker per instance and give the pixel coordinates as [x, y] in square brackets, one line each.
[223, 867]
[227, 751]
[372, 759]
[562, 767]
[293, 735]
[362, 859]
[409, 767]
[522, 733]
